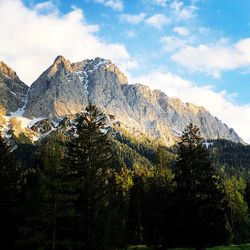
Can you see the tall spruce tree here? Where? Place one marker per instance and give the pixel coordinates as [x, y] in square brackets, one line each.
[88, 162]
[201, 202]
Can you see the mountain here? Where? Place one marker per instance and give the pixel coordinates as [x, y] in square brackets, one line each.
[13, 90]
[232, 158]
[65, 88]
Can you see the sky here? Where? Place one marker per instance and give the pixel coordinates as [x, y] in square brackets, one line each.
[196, 50]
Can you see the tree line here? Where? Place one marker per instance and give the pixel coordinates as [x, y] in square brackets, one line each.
[75, 199]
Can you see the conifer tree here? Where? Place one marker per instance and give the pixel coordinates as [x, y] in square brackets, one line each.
[201, 202]
[88, 162]
[46, 222]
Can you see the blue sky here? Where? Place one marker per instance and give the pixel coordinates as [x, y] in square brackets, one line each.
[197, 50]
[219, 19]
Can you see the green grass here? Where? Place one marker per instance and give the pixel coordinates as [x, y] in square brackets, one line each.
[239, 247]
[139, 247]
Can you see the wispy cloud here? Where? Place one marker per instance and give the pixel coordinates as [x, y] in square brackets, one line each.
[181, 11]
[46, 7]
[31, 39]
[182, 31]
[172, 12]
[215, 58]
[157, 21]
[172, 43]
[117, 5]
[133, 19]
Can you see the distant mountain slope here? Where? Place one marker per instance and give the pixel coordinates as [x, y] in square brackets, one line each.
[233, 157]
[65, 88]
[13, 90]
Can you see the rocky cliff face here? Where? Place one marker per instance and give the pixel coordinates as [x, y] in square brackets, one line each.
[66, 88]
[13, 90]
[166, 117]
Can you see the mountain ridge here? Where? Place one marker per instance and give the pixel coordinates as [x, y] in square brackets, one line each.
[13, 90]
[65, 88]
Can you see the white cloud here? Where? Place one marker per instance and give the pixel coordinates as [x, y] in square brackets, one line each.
[31, 40]
[182, 31]
[218, 103]
[176, 5]
[157, 21]
[172, 43]
[181, 11]
[133, 19]
[45, 7]
[113, 4]
[216, 57]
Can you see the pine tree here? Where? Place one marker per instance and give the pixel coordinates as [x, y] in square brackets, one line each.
[57, 215]
[201, 202]
[88, 162]
[46, 222]
[9, 189]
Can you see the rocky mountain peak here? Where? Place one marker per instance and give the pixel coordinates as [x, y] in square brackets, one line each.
[90, 65]
[5, 70]
[60, 64]
[59, 59]
[13, 90]
[98, 64]
[98, 61]
[65, 89]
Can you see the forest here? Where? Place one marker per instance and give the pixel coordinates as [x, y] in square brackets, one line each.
[99, 190]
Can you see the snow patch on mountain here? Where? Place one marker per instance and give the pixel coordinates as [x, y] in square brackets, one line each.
[83, 76]
[20, 111]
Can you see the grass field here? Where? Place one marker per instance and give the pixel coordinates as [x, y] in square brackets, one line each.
[240, 247]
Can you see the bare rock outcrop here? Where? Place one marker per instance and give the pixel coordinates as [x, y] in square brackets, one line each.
[13, 90]
[65, 88]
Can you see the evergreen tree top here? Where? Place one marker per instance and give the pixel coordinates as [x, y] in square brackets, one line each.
[191, 136]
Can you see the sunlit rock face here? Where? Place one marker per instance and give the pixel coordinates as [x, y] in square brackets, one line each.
[65, 89]
[12, 90]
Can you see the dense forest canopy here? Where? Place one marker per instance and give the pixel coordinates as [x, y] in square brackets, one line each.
[105, 189]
